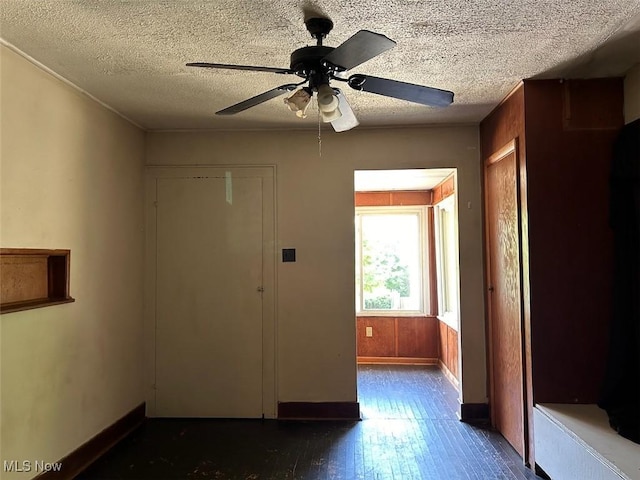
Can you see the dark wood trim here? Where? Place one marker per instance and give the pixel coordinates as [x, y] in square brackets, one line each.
[318, 411]
[474, 412]
[541, 473]
[89, 452]
[33, 251]
[397, 360]
[46, 302]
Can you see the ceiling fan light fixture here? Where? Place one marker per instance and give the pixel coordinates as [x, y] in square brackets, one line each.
[299, 102]
[328, 103]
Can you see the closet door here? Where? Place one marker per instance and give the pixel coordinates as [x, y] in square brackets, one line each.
[211, 292]
[505, 334]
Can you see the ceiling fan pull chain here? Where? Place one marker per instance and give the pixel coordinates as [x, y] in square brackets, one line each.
[319, 134]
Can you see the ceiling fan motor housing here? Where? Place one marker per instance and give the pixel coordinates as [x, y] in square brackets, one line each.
[306, 61]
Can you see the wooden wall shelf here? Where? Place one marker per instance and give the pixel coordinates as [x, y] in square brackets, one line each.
[33, 278]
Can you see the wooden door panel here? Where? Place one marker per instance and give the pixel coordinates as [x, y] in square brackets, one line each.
[505, 299]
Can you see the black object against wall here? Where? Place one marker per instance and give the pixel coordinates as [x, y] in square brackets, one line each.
[621, 390]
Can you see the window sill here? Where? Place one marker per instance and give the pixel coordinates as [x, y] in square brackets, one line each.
[393, 314]
[31, 304]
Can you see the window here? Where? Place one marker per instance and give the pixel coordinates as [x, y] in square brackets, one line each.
[446, 237]
[390, 260]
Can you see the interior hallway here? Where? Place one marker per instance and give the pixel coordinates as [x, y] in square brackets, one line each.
[409, 430]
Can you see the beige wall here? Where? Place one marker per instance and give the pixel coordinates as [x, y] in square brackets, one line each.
[315, 295]
[71, 177]
[632, 94]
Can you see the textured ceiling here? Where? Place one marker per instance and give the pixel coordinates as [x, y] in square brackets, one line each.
[131, 54]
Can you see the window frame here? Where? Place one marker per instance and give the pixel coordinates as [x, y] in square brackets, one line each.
[423, 249]
[450, 315]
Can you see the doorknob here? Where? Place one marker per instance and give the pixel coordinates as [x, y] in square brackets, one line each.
[491, 289]
[260, 289]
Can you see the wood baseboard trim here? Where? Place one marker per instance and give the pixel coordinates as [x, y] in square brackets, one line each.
[474, 413]
[318, 411]
[450, 376]
[396, 361]
[90, 451]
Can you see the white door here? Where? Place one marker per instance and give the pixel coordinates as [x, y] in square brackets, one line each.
[208, 298]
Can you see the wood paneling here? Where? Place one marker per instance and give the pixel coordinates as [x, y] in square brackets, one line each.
[505, 298]
[570, 128]
[565, 132]
[448, 340]
[383, 341]
[398, 337]
[503, 124]
[393, 198]
[397, 361]
[506, 124]
[588, 104]
[451, 360]
[444, 189]
[372, 199]
[417, 337]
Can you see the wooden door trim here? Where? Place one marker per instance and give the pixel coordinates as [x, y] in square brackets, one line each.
[511, 146]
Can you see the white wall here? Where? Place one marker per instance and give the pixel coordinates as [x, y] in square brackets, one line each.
[315, 298]
[71, 177]
[632, 94]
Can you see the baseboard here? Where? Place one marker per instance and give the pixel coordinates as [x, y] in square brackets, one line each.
[540, 472]
[474, 413]
[90, 451]
[396, 361]
[318, 411]
[450, 376]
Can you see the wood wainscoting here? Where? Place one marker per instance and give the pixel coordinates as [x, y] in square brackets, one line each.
[398, 340]
[448, 338]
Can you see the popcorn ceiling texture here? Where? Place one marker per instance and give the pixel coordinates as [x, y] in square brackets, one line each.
[131, 54]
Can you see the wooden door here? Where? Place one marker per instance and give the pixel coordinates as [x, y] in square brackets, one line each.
[505, 333]
[209, 332]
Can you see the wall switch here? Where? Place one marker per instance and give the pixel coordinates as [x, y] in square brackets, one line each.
[369, 331]
[288, 254]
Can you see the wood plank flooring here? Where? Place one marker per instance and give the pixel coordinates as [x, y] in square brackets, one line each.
[409, 431]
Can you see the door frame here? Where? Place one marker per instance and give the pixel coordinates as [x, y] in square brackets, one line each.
[269, 321]
[512, 147]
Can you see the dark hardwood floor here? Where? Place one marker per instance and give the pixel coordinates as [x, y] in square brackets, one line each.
[409, 430]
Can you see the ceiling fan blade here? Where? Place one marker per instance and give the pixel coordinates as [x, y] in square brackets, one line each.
[402, 90]
[348, 120]
[362, 46]
[251, 68]
[258, 99]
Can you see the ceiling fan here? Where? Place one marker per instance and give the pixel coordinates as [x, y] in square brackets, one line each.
[319, 64]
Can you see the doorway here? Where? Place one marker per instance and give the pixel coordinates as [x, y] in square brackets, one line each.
[211, 290]
[407, 269]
